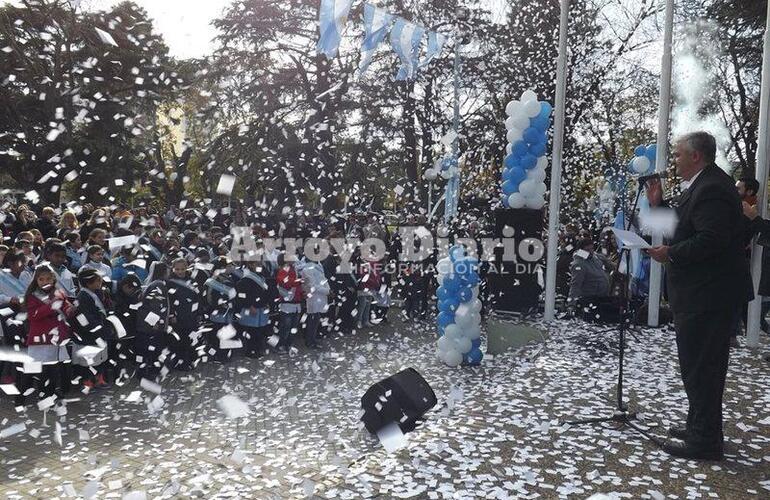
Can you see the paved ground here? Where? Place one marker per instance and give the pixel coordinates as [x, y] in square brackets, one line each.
[496, 433]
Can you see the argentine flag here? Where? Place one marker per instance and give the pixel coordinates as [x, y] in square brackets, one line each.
[333, 16]
[405, 39]
[436, 43]
[376, 25]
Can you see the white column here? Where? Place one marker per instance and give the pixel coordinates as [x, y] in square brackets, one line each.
[763, 157]
[558, 147]
[661, 163]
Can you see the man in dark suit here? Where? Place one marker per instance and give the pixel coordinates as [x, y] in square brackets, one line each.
[708, 280]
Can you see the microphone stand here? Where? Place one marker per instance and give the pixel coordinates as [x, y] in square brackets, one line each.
[622, 415]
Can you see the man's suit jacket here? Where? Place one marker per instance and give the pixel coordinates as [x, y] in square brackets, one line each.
[708, 269]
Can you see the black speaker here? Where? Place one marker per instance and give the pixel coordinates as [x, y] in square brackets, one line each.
[514, 285]
[402, 398]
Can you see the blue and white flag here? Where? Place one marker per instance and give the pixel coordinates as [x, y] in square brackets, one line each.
[436, 43]
[405, 39]
[333, 17]
[376, 25]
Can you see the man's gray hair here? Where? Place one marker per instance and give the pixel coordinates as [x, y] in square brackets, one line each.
[703, 143]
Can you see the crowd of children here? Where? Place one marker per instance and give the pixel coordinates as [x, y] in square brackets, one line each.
[148, 293]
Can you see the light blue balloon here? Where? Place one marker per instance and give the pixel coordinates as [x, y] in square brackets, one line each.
[532, 135]
[452, 284]
[537, 149]
[445, 319]
[651, 153]
[519, 149]
[545, 110]
[529, 161]
[512, 161]
[541, 124]
[510, 187]
[474, 357]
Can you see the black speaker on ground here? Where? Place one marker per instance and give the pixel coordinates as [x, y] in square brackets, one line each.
[402, 398]
[514, 283]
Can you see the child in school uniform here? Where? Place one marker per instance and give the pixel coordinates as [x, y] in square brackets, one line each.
[220, 293]
[48, 312]
[92, 330]
[185, 315]
[95, 260]
[152, 321]
[252, 308]
[289, 302]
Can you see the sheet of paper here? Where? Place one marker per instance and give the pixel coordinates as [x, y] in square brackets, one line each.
[122, 241]
[392, 438]
[629, 239]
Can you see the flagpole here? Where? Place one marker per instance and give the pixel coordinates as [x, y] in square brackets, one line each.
[661, 160]
[556, 165]
[763, 166]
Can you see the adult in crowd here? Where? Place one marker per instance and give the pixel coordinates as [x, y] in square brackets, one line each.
[707, 281]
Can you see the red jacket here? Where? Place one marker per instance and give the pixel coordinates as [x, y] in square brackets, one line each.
[48, 326]
[288, 280]
[369, 279]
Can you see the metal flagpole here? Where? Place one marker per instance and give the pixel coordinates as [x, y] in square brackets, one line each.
[558, 147]
[763, 166]
[661, 163]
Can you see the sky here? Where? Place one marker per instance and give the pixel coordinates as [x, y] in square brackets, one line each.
[184, 24]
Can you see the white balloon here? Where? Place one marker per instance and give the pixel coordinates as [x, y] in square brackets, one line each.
[437, 165]
[528, 95]
[462, 311]
[444, 266]
[513, 108]
[641, 164]
[445, 344]
[475, 319]
[535, 203]
[516, 200]
[431, 174]
[453, 358]
[476, 305]
[509, 148]
[514, 135]
[509, 123]
[521, 121]
[446, 174]
[476, 292]
[452, 331]
[473, 332]
[464, 344]
[466, 320]
[542, 163]
[440, 278]
[527, 188]
[532, 108]
[540, 191]
[536, 174]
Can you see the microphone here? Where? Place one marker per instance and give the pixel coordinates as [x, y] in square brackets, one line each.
[643, 179]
